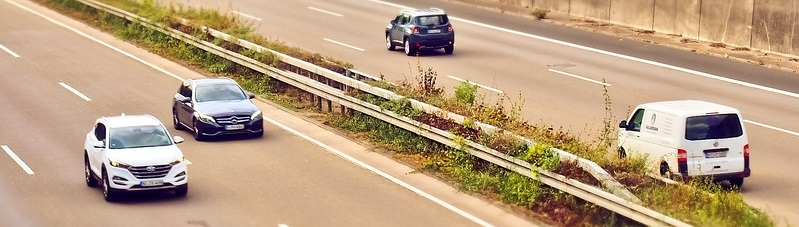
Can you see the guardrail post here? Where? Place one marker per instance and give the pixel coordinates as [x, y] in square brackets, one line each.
[329, 106]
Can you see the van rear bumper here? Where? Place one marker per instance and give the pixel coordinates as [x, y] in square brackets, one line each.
[726, 176]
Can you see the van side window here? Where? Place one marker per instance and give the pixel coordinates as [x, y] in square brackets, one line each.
[635, 121]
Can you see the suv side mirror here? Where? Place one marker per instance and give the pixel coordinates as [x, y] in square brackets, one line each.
[98, 144]
[623, 124]
[177, 139]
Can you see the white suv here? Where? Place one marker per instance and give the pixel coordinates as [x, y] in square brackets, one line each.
[133, 153]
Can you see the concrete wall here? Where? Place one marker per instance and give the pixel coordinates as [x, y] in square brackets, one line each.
[679, 17]
[775, 25]
[769, 25]
[633, 13]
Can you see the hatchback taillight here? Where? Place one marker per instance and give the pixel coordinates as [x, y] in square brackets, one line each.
[449, 28]
[415, 30]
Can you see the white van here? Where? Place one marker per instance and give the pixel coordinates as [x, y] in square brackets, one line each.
[688, 138]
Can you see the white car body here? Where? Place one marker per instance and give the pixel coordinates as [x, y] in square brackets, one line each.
[134, 153]
[688, 138]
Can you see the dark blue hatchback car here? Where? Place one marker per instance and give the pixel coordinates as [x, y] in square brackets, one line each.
[216, 106]
[420, 29]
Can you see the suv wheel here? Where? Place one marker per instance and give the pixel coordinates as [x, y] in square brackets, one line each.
[389, 44]
[108, 193]
[91, 179]
[181, 192]
[175, 121]
[449, 49]
[409, 50]
[198, 135]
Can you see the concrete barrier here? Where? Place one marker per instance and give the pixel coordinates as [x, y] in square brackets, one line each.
[774, 26]
[633, 13]
[726, 21]
[593, 9]
[677, 17]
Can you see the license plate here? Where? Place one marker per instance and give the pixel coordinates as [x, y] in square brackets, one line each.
[150, 183]
[718, 154]
[434, 31]
[234, 127]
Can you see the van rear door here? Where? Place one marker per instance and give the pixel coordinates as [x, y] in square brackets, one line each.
[714, 144]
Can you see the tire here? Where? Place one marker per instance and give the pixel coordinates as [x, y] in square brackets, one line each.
[449, 49]
[181, 192]
[198, 135]
[622, 153]
[91, 179]
[390, 45]
[108, 193]
[258, 134]
[664, 170]
[409, 50]
[175, 121]
[737, 182]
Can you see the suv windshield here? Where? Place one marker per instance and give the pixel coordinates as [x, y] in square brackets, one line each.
[219, 92]
[138, 136]
[719, 126]
[433, 20]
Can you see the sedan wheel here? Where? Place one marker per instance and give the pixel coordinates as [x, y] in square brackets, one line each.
[198, 135]
[175, 121]
[389, 44]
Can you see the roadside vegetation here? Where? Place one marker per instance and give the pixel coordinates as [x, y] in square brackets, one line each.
[698, 202]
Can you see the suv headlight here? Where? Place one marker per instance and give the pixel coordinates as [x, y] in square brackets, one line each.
[256, 115]
[204, 118]
[181, 159]
[118, 164]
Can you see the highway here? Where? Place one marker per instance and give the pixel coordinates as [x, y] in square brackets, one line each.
[558, 73]
[58, 75]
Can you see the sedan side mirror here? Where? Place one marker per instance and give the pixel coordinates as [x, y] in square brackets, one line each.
[181, 98]
[98, 144]
[623, 124]
[178, 139]
[250, 95]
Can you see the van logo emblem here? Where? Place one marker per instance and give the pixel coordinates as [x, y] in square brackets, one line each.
[716, 144]
[654, 117]
[151, 168]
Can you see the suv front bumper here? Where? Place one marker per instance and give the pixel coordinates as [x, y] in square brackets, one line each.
[123, 179]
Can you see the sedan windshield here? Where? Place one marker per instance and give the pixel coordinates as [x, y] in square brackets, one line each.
[219, 92]
[138, 136]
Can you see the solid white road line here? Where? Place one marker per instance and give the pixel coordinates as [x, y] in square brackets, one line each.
[640, 60]
[381, 173]
[17, 159]
[76, 92]
[246, 15]
[772, 128]
[473, 83]
[344, 44]
[325, 11]
[9, 51]
[580, 77]
[97, 40]
[282, 225]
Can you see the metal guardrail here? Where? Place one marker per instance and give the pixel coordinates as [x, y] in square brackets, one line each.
[586, 192]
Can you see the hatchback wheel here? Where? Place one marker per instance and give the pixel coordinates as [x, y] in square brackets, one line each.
[409, 50]
[389, 44]
[449, 49]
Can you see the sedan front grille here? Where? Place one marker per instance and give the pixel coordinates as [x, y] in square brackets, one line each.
[147, 172]
[232, 120]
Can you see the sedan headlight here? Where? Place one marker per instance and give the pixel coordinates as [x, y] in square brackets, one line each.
[181, 159]
[256, 115]
[118, 164]
[204, 118]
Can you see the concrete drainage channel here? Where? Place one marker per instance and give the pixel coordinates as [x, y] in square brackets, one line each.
[620, 200]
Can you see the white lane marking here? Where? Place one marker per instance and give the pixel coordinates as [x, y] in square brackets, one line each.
[580, 77]
[188, 162]
[17, 159]
[97, 40]
[640, 60]
[9, 51]
[381, 173]
[282, 225]
[344, 44]
[76, 92]
[325, 11]
[474, 83]
[246, 15]
[772, 128]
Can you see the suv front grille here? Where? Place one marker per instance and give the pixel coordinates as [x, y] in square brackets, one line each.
[142, 172]
[232, 120]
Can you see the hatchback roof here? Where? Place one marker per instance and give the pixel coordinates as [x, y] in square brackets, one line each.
[689, 107]
[424, 12]
[130, 120]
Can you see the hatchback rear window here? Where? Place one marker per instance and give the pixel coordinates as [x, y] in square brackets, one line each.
[434, 20]
[720, 126]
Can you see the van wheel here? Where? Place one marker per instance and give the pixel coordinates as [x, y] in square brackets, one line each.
[737, 182]
[622, 153]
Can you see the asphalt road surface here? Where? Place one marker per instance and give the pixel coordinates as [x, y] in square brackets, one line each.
[58, 76]
[558, 72]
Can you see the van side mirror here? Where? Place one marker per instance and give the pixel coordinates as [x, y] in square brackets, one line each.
[623, 124]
